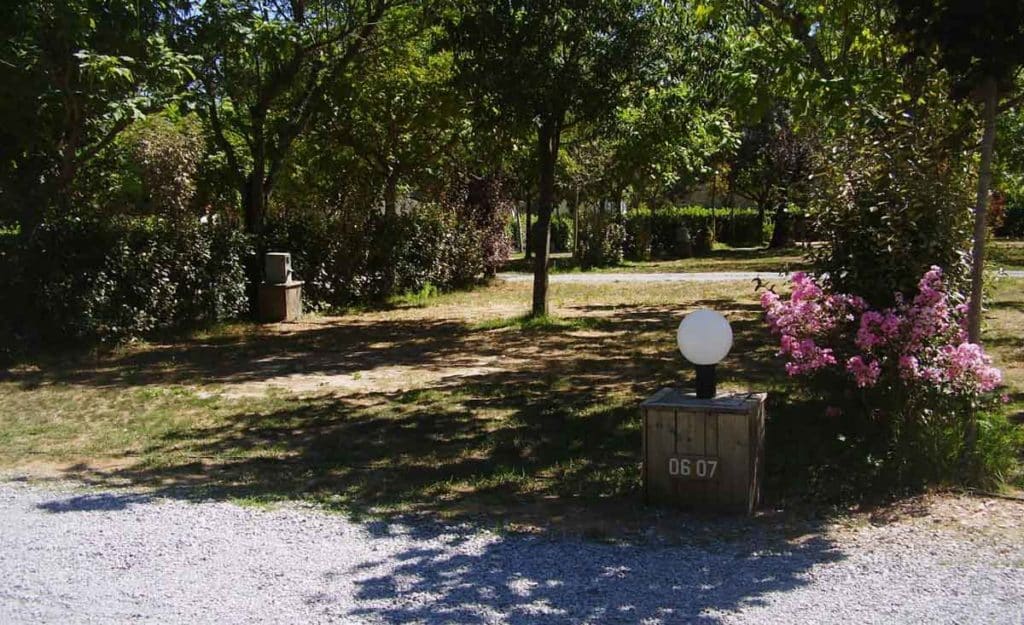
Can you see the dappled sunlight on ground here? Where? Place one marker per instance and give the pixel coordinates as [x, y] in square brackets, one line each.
[447, 408]
[413, 408]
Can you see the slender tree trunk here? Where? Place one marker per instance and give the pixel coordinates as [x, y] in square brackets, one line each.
[528, 244]
[991, 101]
[990, 95]
[548, 137]
[761, 211]
[576, 224]
[254, 211]
[518, 242]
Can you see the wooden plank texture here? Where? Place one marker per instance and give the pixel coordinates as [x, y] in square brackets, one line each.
[682, 429]
[689, 442]
[661, 437]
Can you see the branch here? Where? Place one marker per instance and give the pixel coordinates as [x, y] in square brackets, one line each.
[800, 30]
[1009, 104]
[220, 138]
[314, 87]
[110, 135]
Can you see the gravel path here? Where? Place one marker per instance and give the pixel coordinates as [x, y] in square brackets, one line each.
[114, 557]
[609, 277]
[705, 276]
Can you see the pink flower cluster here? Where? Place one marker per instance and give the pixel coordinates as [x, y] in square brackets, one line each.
[921, 341]
[865, 371]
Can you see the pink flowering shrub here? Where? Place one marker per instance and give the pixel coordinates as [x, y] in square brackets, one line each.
[921, 344]
[887, 389]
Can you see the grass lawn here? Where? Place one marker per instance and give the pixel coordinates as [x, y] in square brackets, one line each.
[1006, 254]
[451, 406]
[722, 258]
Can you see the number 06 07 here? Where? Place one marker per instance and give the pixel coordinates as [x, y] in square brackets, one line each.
[700, 468]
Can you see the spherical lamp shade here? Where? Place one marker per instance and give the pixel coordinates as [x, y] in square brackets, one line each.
[704, 337]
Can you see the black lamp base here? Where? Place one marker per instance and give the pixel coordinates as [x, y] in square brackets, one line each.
[705, 381]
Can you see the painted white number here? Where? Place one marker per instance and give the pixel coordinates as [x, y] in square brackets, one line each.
[712, 465]
[703, 468]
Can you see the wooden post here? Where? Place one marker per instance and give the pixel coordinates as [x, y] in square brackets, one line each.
[703, 453]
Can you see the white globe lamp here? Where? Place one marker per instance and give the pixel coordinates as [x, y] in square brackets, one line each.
[704, 338]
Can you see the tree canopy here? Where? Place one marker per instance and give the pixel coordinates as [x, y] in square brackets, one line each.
[343, 110]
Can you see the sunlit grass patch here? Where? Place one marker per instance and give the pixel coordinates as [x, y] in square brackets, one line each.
[1006, 254]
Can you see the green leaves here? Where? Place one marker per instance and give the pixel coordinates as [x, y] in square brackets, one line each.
[105, 67]
[89, 69]
[574, 61]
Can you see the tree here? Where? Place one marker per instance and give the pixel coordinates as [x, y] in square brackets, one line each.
[73, 76]
[981, 44]
[397, 110]
[553, 65]
[842, 70]
[771, 166]
[264, 69]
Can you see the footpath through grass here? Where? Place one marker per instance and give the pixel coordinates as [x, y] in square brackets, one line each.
[455, 406]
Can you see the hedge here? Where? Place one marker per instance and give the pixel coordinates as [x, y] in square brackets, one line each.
[112, 279]
[368, 258]
[561, 232]
[117, 278]
[681, 232]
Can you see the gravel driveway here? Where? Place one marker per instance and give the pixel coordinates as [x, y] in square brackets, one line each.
[608, 277]
[68, 556]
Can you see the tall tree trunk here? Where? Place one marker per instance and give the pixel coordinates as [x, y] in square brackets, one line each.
[528, 245]
[518, 242]
[990, 95]
[576, 224]
[548, 135]
[761, 211]
[782, 233]
[254, 210]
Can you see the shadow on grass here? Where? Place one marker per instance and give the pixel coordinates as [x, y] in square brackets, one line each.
[555, 425]
[548, 444]
[345, 346]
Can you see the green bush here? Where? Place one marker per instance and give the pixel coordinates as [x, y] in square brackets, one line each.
[561, 233]
[602, 241]
[682, 232]
[358, 259]
[890, 200]
[739, 227]
[121, 278]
